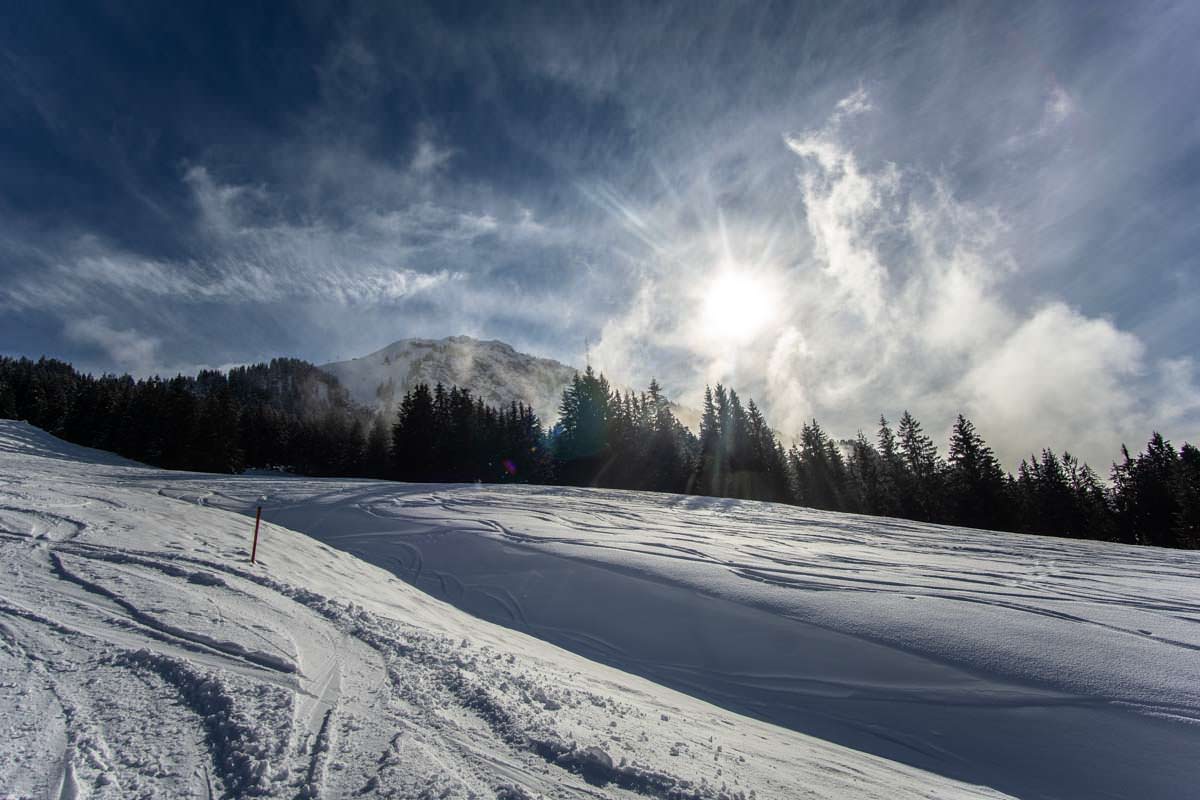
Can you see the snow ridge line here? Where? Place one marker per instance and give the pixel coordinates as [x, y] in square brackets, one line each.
[118, 557]
[232, 649]
[242, 761]
[315, 778]
[161, 563]
[14, 610]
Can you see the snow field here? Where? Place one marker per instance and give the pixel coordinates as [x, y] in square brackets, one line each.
[141, 656]
[1040, 667]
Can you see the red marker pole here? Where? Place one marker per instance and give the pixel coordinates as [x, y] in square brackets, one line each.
[254, 548]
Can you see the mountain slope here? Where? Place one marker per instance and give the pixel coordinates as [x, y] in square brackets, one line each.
[1041, 667]
[141, 655]
[492, 370]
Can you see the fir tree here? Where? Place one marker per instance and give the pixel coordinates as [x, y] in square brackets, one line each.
[581, 446]
[920, 488]
[975, 481]
[413, 435]
[708, 468]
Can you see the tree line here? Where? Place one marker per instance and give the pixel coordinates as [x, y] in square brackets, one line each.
[622, 440]
[287, 414]
[284, 413]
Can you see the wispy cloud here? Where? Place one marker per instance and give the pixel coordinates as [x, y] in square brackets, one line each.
[91, 273]
[250, 251]
[124, 347]
[429, 156]
[858, 102]
[1059, 106]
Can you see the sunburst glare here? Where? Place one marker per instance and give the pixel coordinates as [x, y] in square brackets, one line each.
[737, 306]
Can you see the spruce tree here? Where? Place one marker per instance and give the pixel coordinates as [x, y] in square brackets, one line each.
[8, 401]
[1185, 487]
[708, 468]
[413, 435]
[819, 469]
[920, 489]
[582, 450]
[887, 500]
[864, 470]
[975, 481]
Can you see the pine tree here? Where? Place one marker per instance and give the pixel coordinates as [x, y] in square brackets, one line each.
[1153, 495]
[666, 459]
[819, 469]
[769, 465]
[975, 481]
[1185, 487]
[581, 447]
[887, 499]
[708, 467]
[413, 435]
[721, 478]
[920, 489]
[864, 469]
[1046, 495]
[741, 475]
[8, 401]
[1090, 516]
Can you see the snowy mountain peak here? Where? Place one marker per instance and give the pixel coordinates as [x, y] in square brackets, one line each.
[492, 370]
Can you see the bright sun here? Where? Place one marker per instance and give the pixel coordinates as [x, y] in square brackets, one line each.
[737, 306]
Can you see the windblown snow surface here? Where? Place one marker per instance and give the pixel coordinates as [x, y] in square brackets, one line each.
[720, 648]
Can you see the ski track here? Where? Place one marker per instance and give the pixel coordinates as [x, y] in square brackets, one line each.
[142, 656]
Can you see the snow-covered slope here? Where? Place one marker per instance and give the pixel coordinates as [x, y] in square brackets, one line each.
[142, 656]
[492, 370]
[1045, 668]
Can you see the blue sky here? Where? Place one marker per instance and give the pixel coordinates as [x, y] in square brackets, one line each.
[987, 208]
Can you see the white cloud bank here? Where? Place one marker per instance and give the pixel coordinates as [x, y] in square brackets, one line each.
[893, 299]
